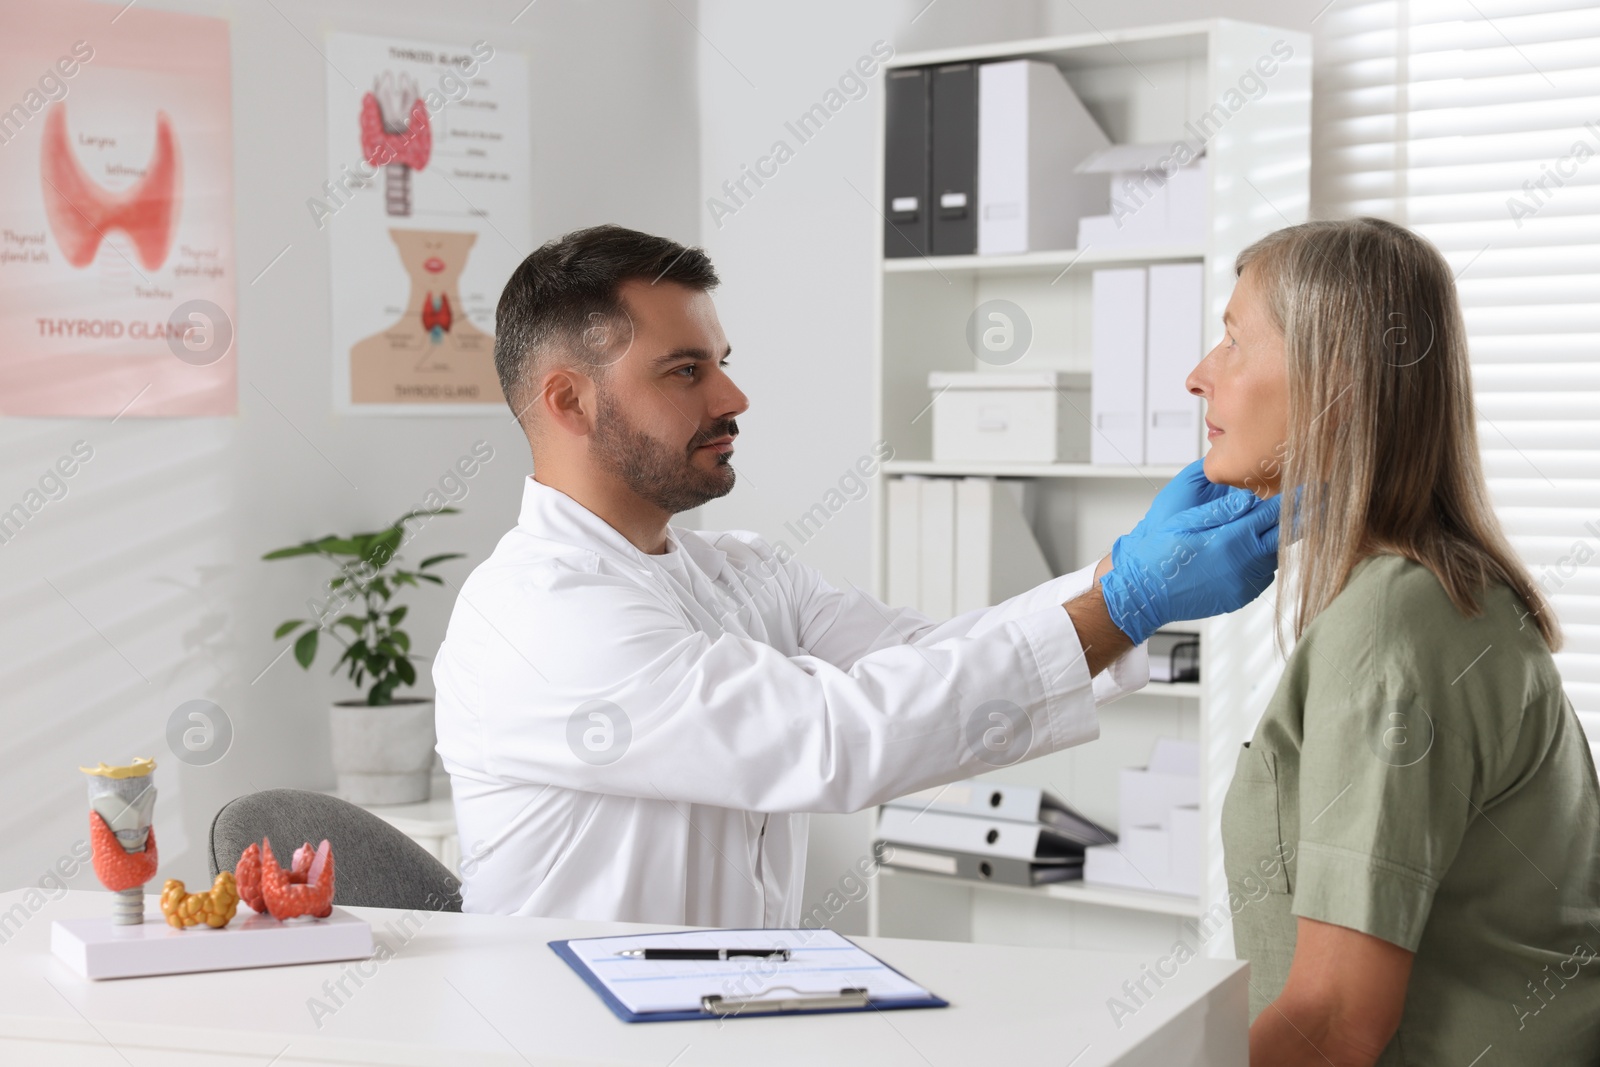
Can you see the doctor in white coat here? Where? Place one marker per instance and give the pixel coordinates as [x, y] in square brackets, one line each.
[637, 717]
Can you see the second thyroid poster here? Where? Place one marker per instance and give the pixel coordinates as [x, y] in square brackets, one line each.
[428, 212]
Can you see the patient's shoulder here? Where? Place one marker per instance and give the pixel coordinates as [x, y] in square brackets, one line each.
[1396, 621]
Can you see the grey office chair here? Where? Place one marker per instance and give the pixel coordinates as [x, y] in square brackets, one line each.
[375, 865]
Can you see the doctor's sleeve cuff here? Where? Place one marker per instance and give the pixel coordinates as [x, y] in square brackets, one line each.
[1069, 716]
[1127, 673]
[1362, 892]
[1055, 592]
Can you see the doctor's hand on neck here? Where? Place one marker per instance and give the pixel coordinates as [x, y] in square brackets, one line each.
[1202, 550]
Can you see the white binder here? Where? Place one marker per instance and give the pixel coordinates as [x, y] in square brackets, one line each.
[997, 556]
[1117, 384]
[978, 868]
[1172, 348]
[936, 548]
[904, 587]
[1032, 132]
[988, 801]
[976, 836]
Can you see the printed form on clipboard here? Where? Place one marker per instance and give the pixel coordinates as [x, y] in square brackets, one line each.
[824, 972]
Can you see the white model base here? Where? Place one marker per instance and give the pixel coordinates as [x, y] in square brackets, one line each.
[98, 948]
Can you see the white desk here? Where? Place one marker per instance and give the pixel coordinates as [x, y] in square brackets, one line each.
[475, 989]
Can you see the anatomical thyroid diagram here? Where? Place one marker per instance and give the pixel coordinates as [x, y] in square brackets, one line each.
[419, 252]
[117, 291]
[82, 213]
[395, 135]
[433, 353]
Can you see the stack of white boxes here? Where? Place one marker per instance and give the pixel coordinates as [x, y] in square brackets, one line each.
[1158, 832]
[1146, 338]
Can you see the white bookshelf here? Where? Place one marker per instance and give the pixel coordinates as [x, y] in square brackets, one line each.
[1041, 262]
[1173, 690]
[1073, 892]
[1142, 85]
[1027, 470]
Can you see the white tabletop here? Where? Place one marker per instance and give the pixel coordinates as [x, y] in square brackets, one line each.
[485, 989]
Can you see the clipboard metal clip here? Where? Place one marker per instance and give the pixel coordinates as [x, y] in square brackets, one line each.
[716, 1004]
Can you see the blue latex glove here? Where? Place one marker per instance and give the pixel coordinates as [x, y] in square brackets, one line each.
[1188, 489]
[1207, 560]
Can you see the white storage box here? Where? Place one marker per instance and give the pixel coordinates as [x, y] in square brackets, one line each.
[1018, 417]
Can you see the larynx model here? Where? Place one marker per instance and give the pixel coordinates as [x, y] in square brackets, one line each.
[82, 213]
[395, 135]
[122, 802]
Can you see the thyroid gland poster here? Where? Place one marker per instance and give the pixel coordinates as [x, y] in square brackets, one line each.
[116, 213]
[427, 209]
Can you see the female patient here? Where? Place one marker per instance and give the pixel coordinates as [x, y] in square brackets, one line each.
[1419, 789]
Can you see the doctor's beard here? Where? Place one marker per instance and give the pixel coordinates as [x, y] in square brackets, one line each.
[656, 470]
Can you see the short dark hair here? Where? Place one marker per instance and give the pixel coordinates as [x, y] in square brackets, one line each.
[564, 300]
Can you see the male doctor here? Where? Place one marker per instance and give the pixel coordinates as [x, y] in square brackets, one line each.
[637, 717]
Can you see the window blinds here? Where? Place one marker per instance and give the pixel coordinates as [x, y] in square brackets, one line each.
[1477, 124]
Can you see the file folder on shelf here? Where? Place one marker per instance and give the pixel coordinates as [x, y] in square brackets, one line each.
[1117, 384]
[936, 548]
[982, 849]
[975, 868]
[905, 549]
[905, 164]
[1172, 348]
[981, 837]
[956, 544]
[953, 159]
[1032, 132]
[997, 556]
[1010, 803]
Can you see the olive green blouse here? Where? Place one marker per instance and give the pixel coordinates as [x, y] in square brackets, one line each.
[1421, 777]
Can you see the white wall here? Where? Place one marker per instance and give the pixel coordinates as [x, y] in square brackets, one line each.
[143, 587]
[796, 259]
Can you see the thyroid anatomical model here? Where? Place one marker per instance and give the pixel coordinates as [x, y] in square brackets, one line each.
[122, 841]
[395, 135]
[82, 213]
[306, 888]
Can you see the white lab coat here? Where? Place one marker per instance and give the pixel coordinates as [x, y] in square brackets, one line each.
[754, 692]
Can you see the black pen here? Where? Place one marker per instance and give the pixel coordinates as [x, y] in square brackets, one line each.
[703, 953]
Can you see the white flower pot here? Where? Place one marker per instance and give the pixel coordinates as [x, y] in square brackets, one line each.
[384, 754]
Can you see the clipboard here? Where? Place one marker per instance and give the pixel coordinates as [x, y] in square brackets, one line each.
[827, 974]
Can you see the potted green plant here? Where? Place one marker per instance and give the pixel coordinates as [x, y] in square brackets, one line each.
[382, 745]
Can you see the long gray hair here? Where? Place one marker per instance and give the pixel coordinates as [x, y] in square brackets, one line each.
[1382, 447]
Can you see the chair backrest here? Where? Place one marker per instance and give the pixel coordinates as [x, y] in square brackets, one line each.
[375, 865]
